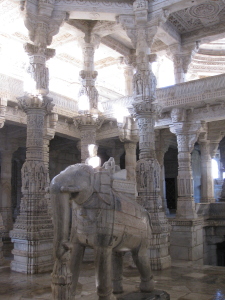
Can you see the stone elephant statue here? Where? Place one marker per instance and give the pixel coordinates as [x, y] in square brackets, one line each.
[103, 219]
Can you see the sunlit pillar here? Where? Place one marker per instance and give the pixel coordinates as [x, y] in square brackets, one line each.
[207, 184]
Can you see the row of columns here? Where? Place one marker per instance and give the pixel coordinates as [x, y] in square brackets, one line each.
[32, 232]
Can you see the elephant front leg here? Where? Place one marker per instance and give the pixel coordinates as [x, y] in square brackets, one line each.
[103, 262]
[142, 262]
[117, 265]
[76, 261]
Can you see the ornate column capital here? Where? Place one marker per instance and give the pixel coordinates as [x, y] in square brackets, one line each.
[30, 103]
[181, 56]
[42, 21]
[162, 143]
[187, 132]
[88, 120]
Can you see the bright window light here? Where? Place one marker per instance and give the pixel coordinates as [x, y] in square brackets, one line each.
[120, 112]
[166, 73]
[215, 170]
[83, 102]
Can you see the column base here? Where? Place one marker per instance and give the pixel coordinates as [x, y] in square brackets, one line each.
[32, 257]
[208, 200]
[160, 263]
[186, 239]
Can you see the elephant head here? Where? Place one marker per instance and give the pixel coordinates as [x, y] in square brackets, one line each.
[76, 183]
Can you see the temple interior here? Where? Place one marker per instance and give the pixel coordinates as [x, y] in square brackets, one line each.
[144, 82]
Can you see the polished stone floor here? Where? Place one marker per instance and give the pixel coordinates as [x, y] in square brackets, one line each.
[183, 281]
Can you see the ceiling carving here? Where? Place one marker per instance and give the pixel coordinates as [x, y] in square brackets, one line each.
[190, 23]
[198, 16]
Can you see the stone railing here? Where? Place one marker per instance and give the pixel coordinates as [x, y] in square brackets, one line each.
[11, 88]
[110, 106]
[193, 93]
[207, 89]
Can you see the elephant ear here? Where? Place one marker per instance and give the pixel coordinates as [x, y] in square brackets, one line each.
[96, 182]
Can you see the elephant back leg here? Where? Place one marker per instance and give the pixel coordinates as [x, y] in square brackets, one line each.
[117, 265]
[76, 261]
[103, 266]
[142, 262]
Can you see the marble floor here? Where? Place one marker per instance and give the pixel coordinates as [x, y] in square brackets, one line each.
[183, 281]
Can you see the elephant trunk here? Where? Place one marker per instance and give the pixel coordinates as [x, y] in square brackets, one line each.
[61, 220]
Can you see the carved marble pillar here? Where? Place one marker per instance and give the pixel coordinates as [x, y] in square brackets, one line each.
[6, 197]
[187, 134]
[161, 147]
[88, 94]
[179, 74]
[207, 184]
[144, 111]
[222, 160]
[2, 229]
[187, 230]
[127, 64]
[32, 233]
[130, 160]
[128, 74]
[49, 133]
[37, 79]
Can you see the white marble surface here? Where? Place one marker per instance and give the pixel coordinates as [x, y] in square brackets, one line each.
[183, 281]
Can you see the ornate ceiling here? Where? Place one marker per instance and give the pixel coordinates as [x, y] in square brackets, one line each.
[186, 23]
[198, 17]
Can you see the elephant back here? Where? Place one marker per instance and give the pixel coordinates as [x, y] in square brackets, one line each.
[132, 218]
